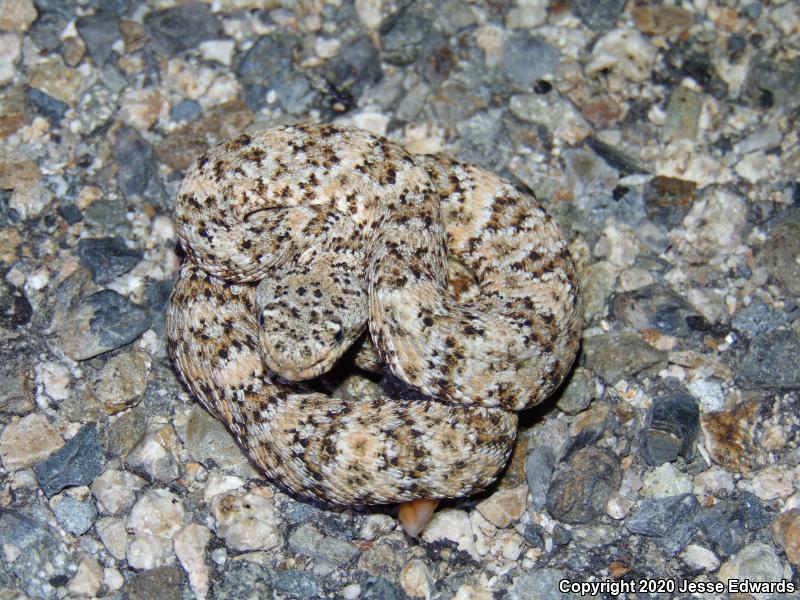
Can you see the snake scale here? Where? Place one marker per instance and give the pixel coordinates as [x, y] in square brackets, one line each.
[301, 238]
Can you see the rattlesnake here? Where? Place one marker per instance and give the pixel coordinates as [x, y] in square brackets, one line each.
[345, 230]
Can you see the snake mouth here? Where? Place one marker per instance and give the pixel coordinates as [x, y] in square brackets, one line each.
[297, 361]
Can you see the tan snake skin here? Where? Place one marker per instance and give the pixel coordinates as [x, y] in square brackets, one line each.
[299, 238]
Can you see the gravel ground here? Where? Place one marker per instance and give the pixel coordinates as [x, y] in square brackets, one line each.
[663, 138]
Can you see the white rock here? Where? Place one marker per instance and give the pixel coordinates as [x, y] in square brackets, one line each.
[113, 579]
[190, 547]
[149, 551]
[142, 108]
[712, 482]
[55, 379]
[416, 579]
[158, 512]
[219, 483]
[114, 536]
[370, 12]
[665, 480]
[472, 592]
[625, 52]
[9, 55]
[771, 482]
[17, 15]
[246, 521]
[618, 506]
[220, 51]
[351, 591]
[756, 562]
[87, 579]
[708, 393]
[450, 524]
[715, 223]
[757, 166]
[553, 111]
[508, 544]
[698, 557]
[115, 491]
[30, 201]
[376, 525]
[505, 506]
[374, 122]
[527, 14]
[28, 441]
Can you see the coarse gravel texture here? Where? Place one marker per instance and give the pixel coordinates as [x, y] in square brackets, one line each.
[664, 140]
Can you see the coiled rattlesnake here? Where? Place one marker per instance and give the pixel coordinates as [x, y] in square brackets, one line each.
[345, 230]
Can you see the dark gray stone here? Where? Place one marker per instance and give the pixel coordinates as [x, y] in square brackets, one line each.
[244, 579]
[268, 65]
[533, 535]
[403, 34]
[771, 83]
[378, 588]
[175, 30]
[758, 319]
[297, 584]
[125, 432]
[45, 562]
[614, 157]
[16, 394]
[670, 429]
[538, 470]
[780, 254]
[100, 31]
[620, 354]
[667, 200]
[162, 583]
[46, 105]
[308, 540]
[70, 213]
[724, 525]
[771, 362]
[74, 516]
[599, 15]
[107, 258]
[47, 28]
[561, 535]
[15, 309]
[578, 393]
[357, 66]
[187, 110]
[527, 58]
[579, 491]
[138, 166]
[670, 521]
[654, 307]
[77, 462]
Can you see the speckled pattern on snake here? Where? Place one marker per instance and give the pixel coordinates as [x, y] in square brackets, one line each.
[301, 238]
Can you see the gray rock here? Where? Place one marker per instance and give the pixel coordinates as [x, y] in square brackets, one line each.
[101, 322]
[771, 362]
[70, 213]
[16, 310]
[614, 157]
[482, 140]
[77, 462]
[561, 535]
[297, 584]
[187, 110]
[578, 394]
[175, 30]
[138, 166]
[403, 33]
[45, 562]
[620, 354]
[151, 459]
[772, 83]
[780, 254]
[244, 579]
[107, 258]
[667, 200]
[670, 429]
[598, 15]
[533, 535]
[725, 524]
[46, 105]
[538, 470]
[16, 394]
[162, 583]
[210, 443]
[268, 65]
[670, 521]
[124, 433]
[357, 66]
[527, 58]
[378, 588]
[541, 584]
[100, 31]
[46, 30]
[757, 319]
[580, 489]
[307, 540]
[74, 516]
